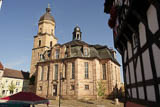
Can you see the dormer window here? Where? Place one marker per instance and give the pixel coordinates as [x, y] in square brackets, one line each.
[57, 53]
[85, 52]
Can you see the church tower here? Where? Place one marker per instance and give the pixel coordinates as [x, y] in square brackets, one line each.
[44, 40]
[77, 33]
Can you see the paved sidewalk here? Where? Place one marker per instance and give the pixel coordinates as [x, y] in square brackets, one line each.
[82, 103]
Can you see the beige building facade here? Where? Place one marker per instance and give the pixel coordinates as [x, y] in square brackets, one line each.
[13, 81]
[80, 66]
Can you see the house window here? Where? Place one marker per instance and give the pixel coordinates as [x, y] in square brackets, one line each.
[17, 83]
[86, 87]
[86, 70]
[104, 71]
[48, 72]
[51, 44]
[73, 70]
[39, 42]
[85, 52]
[57, 53]
[56, 72]
[16, 90]
[3, 92]
[72, 87]
[11, 91]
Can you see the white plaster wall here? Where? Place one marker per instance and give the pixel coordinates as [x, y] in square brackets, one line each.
[132, 72]
[141, 92]
[156, 55]
[152, 19]
[142, 34]
[151, 93]
[147, 65]
[129, 50]
[138, 71]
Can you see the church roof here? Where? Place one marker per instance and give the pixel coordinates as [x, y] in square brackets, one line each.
[11, 73]
[76, 43]
[96, 51]
[47, 16]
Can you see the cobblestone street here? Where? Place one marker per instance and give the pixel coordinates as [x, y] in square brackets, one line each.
[81, 103]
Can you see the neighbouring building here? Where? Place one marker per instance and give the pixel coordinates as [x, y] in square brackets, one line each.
[80, 65]
[13, 81]
[136, 33]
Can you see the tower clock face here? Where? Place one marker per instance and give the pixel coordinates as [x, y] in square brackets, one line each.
[77, 28]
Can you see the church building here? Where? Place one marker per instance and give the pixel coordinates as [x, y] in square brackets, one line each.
[73, 69]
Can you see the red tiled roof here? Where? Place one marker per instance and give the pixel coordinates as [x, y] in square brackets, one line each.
[1, 66]
[15, 74]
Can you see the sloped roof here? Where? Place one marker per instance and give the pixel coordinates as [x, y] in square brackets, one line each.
[15, 74]
[47, 16]
[1, 66]
[76, 43]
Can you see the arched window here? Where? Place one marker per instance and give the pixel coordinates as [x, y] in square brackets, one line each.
[39, 42]
[40, 30]
[78, 37]
[51, 44]
[51, 31]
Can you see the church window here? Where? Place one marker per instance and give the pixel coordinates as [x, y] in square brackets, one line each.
[72, 87]
[40, 30]
[40, 88]
[51, 44]
[104, 71]
[86, 70]
[39, 42]
[73, 70]
[51, 31]
[78, 37]
[48, 72]
[41, 73]
[65, 72]
[57, 53]
[56, 72]
[86, 87]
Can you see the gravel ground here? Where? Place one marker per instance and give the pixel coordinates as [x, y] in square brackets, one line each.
[82, 103]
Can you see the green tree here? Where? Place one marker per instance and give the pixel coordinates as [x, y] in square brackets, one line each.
[11, 88]
[101, 88]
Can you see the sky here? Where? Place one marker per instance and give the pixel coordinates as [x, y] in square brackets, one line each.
[19, 23]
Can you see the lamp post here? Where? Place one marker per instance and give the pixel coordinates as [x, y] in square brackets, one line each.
[60, 89]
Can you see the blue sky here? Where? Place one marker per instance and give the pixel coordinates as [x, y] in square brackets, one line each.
[19, 23]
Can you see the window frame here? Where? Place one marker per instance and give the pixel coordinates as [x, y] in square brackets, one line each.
[104, 71]
[73, 70]
[86, 68]
[56, 72]
[86, 87]
[57, 52]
